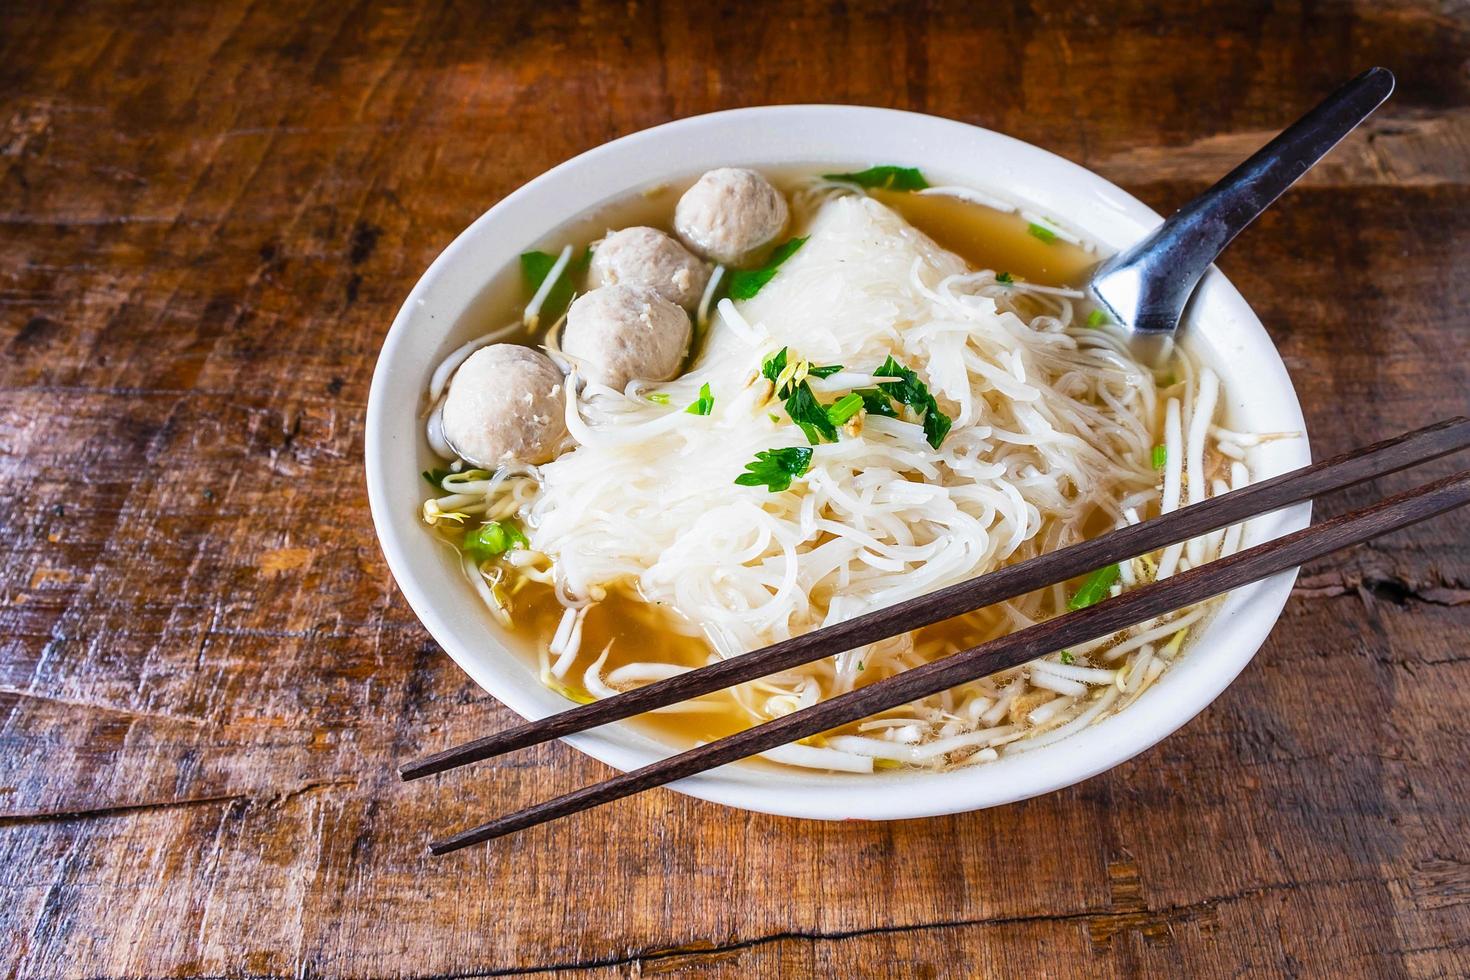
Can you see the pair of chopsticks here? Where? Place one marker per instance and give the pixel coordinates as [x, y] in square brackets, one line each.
[1012, 650]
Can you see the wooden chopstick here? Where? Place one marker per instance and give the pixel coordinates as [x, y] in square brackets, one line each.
[1094, 622]
[1406, 450]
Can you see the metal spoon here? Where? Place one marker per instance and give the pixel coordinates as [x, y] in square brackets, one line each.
[1145, 288]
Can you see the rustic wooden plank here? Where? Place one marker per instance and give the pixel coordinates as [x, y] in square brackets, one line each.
[208, 216]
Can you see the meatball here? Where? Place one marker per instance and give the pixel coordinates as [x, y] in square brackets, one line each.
[730, 213]
[648, 257]
[506, 402]
[623, 332]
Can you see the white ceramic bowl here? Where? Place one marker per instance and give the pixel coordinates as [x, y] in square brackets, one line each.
[1221, 330]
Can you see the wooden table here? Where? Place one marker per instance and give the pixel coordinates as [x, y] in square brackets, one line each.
[208, 217]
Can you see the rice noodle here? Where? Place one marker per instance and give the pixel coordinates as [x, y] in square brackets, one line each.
[1054, 431]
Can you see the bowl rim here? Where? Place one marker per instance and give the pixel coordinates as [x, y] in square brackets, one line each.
[1239, 626]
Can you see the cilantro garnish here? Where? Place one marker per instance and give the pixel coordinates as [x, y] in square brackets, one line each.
[889, 178]
[914, 393]
[807, 412]
[774, 469]
[1094, 588]
[876, 403]
[536, 266]
[745, 283]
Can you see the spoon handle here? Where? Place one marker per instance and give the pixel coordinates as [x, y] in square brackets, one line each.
[1147, 286]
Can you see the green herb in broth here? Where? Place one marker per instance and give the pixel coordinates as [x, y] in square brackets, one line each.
[808, 413]
[435, 477]
[1160, 456]
[1005, 278]
[704, 404]
[1094, 588]
[915, 394]
[536, 266]
[745, 283]
[888, 178]
[1043, 233]
[774, 469]
[876, 403]
[1097, 318]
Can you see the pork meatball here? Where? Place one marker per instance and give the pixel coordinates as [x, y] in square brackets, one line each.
[648, 257]
[623, 332]
[506, 402]
[730, 213]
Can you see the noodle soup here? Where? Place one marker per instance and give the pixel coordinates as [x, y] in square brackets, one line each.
[909, 395]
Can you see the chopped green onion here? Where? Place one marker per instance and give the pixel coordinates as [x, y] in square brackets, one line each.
[745, 283]
[1097, 318]
[1094, 588]
[704, 404]
[888, 178]
[658, 397]
[844, 408]
[1160, 456]
[435, 477]
[1004, 278]
[775, 468]
[1067, 657]
[492, 540]
[774, 417]
[1037, 231]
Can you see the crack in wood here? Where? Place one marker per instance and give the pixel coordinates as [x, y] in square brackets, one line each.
[126, 809]
[1112, 922]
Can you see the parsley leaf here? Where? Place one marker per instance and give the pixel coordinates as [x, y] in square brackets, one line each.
[1067, 657]
[936, 424]
[774, 365]
[808, 413]
[824, 372]
[1005, 278]
[887, 178]
[745, 283]
[435, 477]
[536, 266]
[704, 404]
[914, 393]
[876, 402]
[1094, 588]
[775, 468]
[1041, 232]
[844, 408]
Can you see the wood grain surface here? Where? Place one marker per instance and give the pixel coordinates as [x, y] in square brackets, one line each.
[209, 214]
